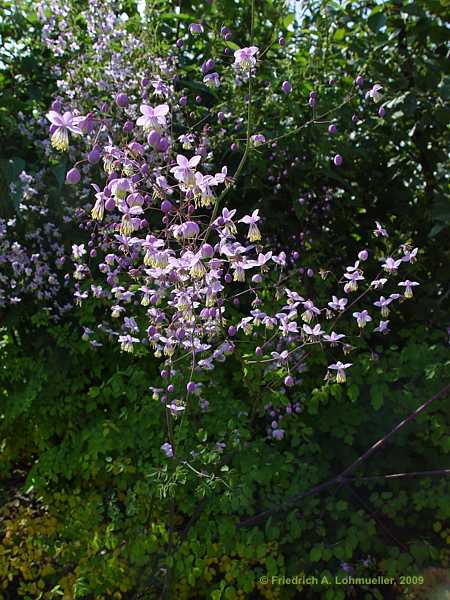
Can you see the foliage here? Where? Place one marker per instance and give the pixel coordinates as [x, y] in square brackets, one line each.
[91, 507]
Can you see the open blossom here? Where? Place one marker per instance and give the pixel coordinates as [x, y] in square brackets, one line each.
[212, 80]
[258, 139]
[127, 342]
[253, 233]
[153, 118]
[391, 265]
[333, 338]
[315, 331]
[61, 125]
[338, 303]
[352, 284]
[244, 59]
[410, 256]
[120, 187]
[78, 251]
[226, 221]
[383, 303]
[340, 368]
[383, 327]
[184, 170]
[380, 231]
[375, 93]
[310, 311]
[408, 285]
[203, 194]
[378, 283]
[362, 318]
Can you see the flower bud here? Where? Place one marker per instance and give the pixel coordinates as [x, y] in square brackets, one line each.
[208, 66]
[73, 176]
[110, 204]
[94, 155]
[338, 160]
[56, 105]
[207, 251]
[166, 206]
[286, 87]
[332, 129]
[363, 255]
[191, 387]
[288, 381]
[122, 100]
[128, 126]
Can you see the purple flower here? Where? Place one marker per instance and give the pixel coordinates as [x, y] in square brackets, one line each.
[278, 434]
[286, 87]
[383, 303]
[340, 368]
[352, 284]
[410, 256]
[127, 342]
[338, 303]
[212, 80]
[316, 331]
[391, 265]
[258, 139]
[184, 169]
[153, 118]
[188, 229]
[61, 125]
[78, 251]
[374, 93]
[333, 338]
[196, 28]
[408, 285]
[363, 255]
[208, 66]
[122, 100]
[310, 311]
[378, 283]
[383, 327]
[362, 318]
[338, 160]
[73, 176]
[167, 449]
[244, 59]
[253, 233]
[332, 129]
[380, 231]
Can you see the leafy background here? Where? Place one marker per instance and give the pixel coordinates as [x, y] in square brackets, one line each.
[88, 507]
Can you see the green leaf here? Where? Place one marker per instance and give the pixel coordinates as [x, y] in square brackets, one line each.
[376, 21]
[315, 554]
[376, 395]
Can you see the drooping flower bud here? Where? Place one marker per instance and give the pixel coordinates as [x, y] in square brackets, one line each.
[73, 176]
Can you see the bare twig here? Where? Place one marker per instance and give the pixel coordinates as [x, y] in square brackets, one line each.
[342, 477]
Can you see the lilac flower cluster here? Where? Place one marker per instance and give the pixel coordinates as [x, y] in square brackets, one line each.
[174, 260]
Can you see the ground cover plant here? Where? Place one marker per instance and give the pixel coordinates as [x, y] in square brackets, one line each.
[224, 299]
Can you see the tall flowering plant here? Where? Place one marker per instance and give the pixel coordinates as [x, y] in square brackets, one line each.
[177, 258]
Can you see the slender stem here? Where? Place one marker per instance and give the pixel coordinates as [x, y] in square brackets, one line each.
[342, 477]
